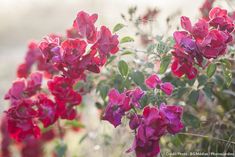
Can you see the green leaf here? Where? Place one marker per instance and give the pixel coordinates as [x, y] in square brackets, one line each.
[98, 105]
[176, 140]
[118, 82]
[104, 91]
[208, 91]
[211, 70]
[126, 53]
[110, 60]
[123, 68]
[138, 77]
[117, 27]
[202, 80]
[226, 65]
[193, 97]
[166, 60]
[179, 93]
[191, 120]
[126, 39]
[60, 150]
[75, 123]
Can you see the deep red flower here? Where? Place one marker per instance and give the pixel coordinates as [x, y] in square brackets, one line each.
[47, 110]
[20, 121]
[180, 68]
[73, 49]
[23, 70]
[84, 25]
[106, 42]
[50, 48]
[214, 44]
[200, 30]
[62, 89]
[219, 19]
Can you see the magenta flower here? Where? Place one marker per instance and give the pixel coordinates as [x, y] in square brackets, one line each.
[106, 42]
[173, 114]
[201, 41]
[151, 126]
[117, 106]
[152, 81]
[23, 88]
[84, 25]
[219, 19]
[135, 96]
[214, 44]
[167, 88]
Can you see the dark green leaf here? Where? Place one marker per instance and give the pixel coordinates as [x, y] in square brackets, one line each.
[208, 91]
[104, 91]
[60, 150]
[178, 93]
[193, 97]
[110, 60]
[117, 27]
[164, 64]
[202, 80]
[138, 77]
[126, 39]
[123, 68]
[191, 120]
[118, 82]
[211, 70]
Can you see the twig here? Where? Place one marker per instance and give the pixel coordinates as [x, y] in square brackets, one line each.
[203, 136]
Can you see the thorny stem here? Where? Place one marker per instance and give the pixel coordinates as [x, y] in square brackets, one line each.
[203, 136]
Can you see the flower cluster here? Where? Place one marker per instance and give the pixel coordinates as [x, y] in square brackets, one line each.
[200, 42]
[34, 56]
[153, 124]
[65, 60]
[150, 125]
[88, 50]
[120, 103]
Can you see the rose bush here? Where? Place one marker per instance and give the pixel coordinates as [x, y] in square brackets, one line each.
[144, 92]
